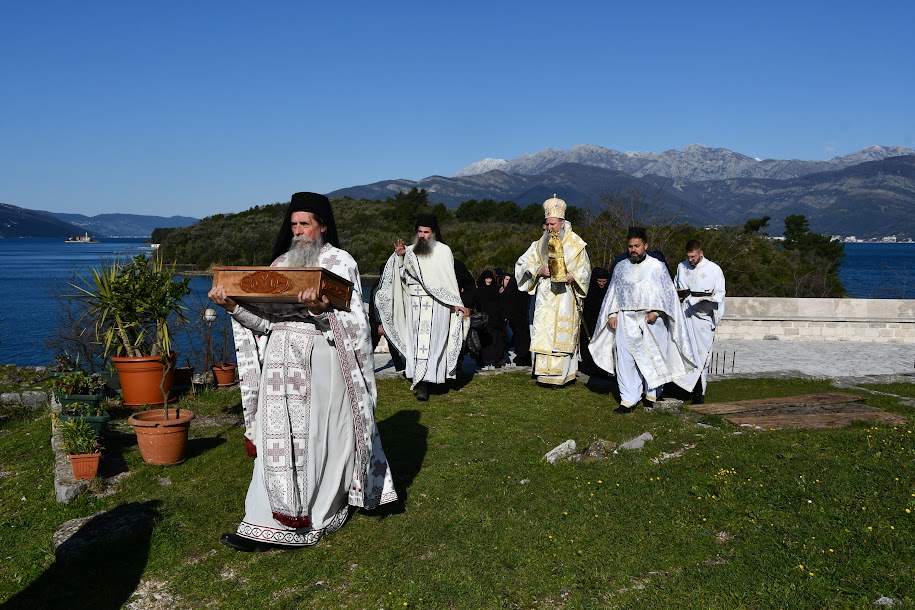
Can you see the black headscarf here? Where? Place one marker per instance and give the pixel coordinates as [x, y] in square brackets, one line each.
[488, 296]
[317, 204]
[429, 220]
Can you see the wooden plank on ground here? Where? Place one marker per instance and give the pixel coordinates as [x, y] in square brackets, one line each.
[816, 420]
[780, 403]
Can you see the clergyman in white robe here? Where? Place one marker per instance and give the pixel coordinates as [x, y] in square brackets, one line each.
[416, 301]
[703, 309]
[309, 396]
[644, 356]
[557, 304]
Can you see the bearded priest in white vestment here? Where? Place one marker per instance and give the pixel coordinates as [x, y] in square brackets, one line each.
[641, 332]
[700, 285]
[419, 304]
[308, 394]
[557, 271]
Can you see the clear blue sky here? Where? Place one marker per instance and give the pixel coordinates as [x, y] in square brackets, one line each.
[196, 108]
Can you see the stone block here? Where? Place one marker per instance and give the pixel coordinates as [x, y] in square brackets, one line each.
[10, 399]
[35, 399]
[792, 332]
[561, 452]
[638, 442]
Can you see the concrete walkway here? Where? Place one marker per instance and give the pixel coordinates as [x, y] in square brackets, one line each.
[747, 358]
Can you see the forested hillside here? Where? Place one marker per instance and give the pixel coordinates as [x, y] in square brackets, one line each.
[494, 234]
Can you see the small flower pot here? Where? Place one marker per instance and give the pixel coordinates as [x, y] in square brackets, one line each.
[65, 400]
[224, 374]
[98, 423]
[85, 465]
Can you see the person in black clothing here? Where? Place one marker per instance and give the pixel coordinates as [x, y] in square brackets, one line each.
[600, 279]
[376, 329]
[493, 337]
[516, 305]
[466, 284]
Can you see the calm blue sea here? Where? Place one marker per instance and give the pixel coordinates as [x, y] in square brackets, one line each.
[33, 270]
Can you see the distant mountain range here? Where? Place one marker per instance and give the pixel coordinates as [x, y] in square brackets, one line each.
[20, 222]
[868, 193]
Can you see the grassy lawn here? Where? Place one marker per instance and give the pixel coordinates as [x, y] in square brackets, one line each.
[702, 517]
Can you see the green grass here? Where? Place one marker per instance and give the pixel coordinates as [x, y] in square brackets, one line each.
[486, 523]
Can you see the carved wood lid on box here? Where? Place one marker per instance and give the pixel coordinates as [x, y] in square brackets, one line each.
[282, 284]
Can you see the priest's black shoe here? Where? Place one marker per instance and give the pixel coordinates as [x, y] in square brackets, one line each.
[648, 404]
[245, 545]
[422, 391]
[698, 399]
[623, 410]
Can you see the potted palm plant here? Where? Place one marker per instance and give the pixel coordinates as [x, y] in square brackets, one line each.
[81, 444]
[133, 303]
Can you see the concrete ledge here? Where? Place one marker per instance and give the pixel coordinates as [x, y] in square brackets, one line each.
[789, 319]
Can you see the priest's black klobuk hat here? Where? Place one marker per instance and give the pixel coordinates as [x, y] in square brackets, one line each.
[317, 204]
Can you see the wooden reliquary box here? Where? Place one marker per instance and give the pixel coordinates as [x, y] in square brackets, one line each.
[282, 284]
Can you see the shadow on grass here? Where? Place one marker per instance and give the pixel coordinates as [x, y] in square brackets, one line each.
[405, 442]
[99, 566]
[199, 446]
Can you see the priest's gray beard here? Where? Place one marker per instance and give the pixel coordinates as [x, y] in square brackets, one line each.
[304, 252]
[423, 247]
[561, 233]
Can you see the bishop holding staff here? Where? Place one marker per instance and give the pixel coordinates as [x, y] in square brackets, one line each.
[308, 393]
[641, 332]
[557, 271]
[419, 304]
[700, 286]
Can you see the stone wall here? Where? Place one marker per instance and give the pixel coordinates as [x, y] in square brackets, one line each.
[871, 320]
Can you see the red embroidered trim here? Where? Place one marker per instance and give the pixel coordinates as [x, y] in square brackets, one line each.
[290, 521]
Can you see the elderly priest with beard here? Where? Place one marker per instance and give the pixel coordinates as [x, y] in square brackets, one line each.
[419, 304]
[308, 394]
[556, 270]
[641, 333]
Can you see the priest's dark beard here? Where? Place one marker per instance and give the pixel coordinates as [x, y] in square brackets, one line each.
[423, 247]
[638, 258]
[304, 252]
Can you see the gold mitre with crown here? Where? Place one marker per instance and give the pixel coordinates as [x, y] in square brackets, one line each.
[554, 207]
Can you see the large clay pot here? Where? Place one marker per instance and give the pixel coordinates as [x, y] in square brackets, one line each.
[140, 379]
[224, 374]
[162, 442]
[85, 465]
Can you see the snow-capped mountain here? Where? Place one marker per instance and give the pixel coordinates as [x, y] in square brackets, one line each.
[695, 162]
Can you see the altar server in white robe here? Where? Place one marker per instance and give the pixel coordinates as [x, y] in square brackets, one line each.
[308, 394]
[700, 286]
[557, 271]
[641, 332]
[419, 304]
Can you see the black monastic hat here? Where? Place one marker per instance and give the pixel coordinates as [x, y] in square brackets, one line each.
[429, 220]
[317, 204]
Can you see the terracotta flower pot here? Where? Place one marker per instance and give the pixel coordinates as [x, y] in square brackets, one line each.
[85, 465]
[162, 442]
[224, 374]
[141, 378]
